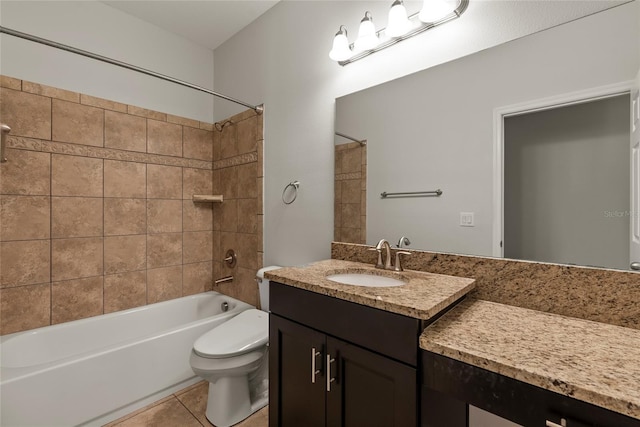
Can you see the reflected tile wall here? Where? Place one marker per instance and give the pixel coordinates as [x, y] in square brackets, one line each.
[350, 193]
[95, 206]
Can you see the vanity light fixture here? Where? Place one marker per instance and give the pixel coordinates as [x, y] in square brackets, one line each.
[341, 50]
[400, 27]
[367, 36]
[398, 23]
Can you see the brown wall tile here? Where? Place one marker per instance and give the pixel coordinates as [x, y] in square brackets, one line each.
[28, 172]
[76, 258]
[260, 165]
[197, 144]
[125, 216]
[351, 191]
[351, 160]
[25, 262]
[164, 216]
[164, 284]
[247, 138]
[125, 179]
[247, 185]
[246, 250]
[247, 288]
[143, 112]
[76, 299]
[196, 181]
[196, 216]
[51, 92]
[164, 250]
[198, 246]
[164, 138]
[10, 82]
[196, 278]
[183, 121]
[125, 253]
[229, 215]
[24, 217]
[76, 217]
[76, 176]
[164, 182]
[229, 182]
[102, 103]
[206, 126]
[26, 307]
[247, 216]
[125, 132]
[124, 291]
[77, 123]
[27, 114]
[229, 141]
[351, 215]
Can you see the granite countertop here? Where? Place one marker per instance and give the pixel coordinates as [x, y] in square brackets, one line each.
[422, 297]
[594, 362]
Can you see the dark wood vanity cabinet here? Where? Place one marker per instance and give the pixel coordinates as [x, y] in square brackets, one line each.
[449, 385]
[336, 363]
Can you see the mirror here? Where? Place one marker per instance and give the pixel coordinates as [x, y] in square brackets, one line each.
[434, 130]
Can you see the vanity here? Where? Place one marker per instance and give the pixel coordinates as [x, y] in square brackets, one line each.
[419, 354]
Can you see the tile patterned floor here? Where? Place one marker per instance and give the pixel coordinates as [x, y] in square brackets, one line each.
[184, 408]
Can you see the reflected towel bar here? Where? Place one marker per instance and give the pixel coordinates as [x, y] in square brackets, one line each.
[435, 193]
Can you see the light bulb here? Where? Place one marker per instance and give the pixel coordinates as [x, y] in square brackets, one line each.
[367, 37]
[399, 23]
[434, 10]
[340, 50]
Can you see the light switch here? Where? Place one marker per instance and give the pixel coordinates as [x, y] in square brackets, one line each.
[466, 219]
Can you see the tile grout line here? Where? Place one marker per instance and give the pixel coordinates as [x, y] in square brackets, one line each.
[188, 410]
[50, 215]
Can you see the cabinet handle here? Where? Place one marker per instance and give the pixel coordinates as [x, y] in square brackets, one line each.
[563, 423]
[314, 371]
[329, 379]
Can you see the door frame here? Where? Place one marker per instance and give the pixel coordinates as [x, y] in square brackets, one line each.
[541, 104]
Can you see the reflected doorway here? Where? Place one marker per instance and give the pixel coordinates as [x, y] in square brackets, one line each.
[567, 184]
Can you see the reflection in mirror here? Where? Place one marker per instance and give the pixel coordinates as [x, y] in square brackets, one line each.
[439, 128]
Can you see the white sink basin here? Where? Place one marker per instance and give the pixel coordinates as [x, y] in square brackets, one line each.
[364, 279]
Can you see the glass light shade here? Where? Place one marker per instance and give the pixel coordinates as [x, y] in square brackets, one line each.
[367, 38]
[434, 10]
[340, 50]
[399, 23]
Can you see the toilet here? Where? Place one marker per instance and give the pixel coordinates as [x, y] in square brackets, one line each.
[233, 358]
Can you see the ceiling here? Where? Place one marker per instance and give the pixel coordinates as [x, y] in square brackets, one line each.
[206, 22]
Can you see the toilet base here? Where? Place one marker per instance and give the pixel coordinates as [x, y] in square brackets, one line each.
[228, 402]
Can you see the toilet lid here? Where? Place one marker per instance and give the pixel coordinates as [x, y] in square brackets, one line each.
[241, 334]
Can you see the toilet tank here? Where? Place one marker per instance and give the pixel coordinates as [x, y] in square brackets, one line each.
[263, 287]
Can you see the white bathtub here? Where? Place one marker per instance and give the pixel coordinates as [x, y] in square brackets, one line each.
[95, 370]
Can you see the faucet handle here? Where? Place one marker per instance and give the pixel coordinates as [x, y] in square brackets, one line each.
[379, 263]
[398, 265]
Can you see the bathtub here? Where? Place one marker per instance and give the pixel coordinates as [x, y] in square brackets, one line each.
[92, 371]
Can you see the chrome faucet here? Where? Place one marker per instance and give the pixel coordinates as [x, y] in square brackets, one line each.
[403, 241]
[383, 244]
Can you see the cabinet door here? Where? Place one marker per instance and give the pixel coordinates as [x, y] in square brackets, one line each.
[296, 397]
[368, 389]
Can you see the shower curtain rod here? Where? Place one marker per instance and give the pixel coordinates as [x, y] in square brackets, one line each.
[257, 108]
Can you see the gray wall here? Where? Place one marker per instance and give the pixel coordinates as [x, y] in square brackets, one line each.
[566, 190]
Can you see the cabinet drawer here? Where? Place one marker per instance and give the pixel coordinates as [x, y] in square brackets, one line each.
[391, 334]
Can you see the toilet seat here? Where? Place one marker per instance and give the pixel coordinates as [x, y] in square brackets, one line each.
[241, 334]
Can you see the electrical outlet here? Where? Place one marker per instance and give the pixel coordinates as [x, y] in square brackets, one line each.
[466, 219]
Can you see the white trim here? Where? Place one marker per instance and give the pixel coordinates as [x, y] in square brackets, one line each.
[499, 113]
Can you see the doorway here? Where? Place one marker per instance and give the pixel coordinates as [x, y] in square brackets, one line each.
[566, 184]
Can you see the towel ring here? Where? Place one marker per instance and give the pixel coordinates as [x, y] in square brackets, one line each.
[294, 185]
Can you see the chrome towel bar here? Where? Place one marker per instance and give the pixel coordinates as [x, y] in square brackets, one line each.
[435, 193]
